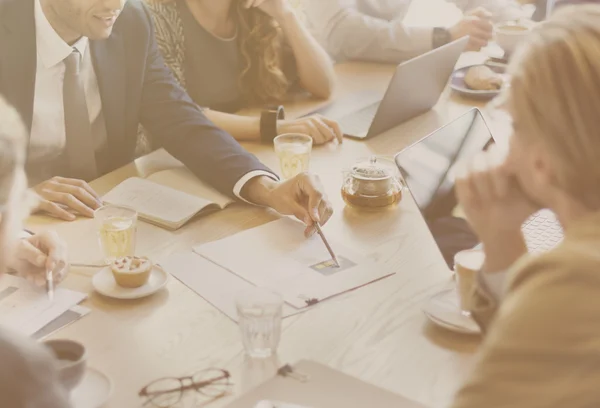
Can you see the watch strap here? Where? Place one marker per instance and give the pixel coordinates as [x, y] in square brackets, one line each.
[268, 123]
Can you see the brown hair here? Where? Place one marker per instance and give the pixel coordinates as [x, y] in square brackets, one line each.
[555, 96]
[260, 41]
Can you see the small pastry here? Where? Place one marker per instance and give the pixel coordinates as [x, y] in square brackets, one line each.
[131, 271]
[482, 78]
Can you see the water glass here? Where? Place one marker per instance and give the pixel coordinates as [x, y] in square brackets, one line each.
[259, 317]
[293, 150]
[116, 231]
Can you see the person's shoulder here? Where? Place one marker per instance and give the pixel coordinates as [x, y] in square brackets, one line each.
[134, 16]
[570, 263]
[23, 354]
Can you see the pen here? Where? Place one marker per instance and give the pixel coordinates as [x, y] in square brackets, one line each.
[50, 285]
[320, 232]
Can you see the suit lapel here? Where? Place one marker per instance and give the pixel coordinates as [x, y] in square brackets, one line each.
[18, 57]
[109, 64]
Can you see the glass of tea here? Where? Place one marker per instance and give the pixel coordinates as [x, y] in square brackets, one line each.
[116, 231]
[293, 150]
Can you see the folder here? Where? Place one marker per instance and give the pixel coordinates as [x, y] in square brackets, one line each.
[314, 385]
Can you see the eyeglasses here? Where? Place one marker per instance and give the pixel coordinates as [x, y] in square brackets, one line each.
[166, 392]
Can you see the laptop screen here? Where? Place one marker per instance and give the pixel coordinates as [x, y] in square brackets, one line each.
[427, 166]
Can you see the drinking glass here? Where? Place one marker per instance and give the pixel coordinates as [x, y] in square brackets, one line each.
[259, 318]
[293, 150]
[116, 231]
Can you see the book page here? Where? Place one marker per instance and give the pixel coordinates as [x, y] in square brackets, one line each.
[182, 179]
[156, 202]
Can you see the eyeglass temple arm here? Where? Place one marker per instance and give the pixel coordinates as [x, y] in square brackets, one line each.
[145, 393]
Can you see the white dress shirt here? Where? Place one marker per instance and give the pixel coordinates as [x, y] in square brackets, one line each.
[374, 29]
[48, 135]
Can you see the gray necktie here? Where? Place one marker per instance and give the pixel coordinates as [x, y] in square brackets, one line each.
[80, 145]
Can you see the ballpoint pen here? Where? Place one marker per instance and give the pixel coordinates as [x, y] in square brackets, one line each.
[50, 285]
[320, 232]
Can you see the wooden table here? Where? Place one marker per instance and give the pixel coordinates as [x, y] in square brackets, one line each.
[377, 333]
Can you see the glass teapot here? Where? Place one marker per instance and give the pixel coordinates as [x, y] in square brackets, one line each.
[372, 183]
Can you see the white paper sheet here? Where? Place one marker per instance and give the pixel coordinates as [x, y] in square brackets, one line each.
[278, 256]
[216, 285]
[27, 309]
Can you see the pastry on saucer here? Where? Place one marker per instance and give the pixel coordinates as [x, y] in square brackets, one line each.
[131, 271]
[482, 78]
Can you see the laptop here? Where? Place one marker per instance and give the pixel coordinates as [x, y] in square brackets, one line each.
[427, 168]
[414, 89]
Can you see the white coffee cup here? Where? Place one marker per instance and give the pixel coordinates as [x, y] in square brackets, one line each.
[71, 360]
[510, 35]
[466, 266]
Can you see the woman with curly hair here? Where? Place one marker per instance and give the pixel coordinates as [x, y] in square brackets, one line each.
[230, 54]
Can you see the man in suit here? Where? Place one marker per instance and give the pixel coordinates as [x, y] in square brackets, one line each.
[84, 74]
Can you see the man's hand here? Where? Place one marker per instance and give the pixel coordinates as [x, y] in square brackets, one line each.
[322, 130]
[301, 196]
[496, 208]
[59, 193]
[477, 25]
[40, 253]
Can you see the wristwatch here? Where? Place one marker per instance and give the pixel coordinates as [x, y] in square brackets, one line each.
[441, 36]
[268, 123]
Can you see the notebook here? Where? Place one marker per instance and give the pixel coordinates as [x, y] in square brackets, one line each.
[314, 385]
[168, 198]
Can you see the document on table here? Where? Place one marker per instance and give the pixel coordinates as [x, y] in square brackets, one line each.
[278, 256]
[27, 309]
[216, 285]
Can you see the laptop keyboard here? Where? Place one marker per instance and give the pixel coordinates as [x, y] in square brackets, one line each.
[542, 231]
[358, 123]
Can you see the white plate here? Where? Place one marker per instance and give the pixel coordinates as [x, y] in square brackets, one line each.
[104, 282]
[94, 390]
[443, 310]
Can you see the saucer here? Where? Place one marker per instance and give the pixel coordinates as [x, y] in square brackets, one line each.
[457, 83]
[94, 390]
[105, 284]
[443, 310]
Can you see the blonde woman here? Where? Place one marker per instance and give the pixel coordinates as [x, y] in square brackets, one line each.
[28, 374]
[230, 54]
[541, 314]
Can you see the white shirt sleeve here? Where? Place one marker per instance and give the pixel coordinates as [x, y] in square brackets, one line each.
[495, 283]
[237, 189]
[502, 10]
[347, 33]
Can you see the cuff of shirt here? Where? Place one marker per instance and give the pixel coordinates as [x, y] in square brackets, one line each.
[421, 39]
[237, 189]
[494, 283]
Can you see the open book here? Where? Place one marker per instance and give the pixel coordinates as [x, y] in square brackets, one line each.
[168, 198]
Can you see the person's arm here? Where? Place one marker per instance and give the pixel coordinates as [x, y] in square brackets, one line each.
[501, 10]
[541, 348]
[346, 33]
[314, 67]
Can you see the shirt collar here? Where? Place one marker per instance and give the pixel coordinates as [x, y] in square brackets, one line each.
[52, 49]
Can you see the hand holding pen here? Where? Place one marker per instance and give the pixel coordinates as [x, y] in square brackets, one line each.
[42, 259]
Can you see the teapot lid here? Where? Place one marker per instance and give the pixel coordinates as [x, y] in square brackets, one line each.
[372, 169]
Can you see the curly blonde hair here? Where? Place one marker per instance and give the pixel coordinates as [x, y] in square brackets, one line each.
[260, 41]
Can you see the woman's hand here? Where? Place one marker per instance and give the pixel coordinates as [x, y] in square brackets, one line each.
[320, 129]
[496, 207]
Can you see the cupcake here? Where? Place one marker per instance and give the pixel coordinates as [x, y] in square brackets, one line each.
[131, 271]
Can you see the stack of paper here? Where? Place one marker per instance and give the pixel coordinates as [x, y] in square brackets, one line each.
[27, 309]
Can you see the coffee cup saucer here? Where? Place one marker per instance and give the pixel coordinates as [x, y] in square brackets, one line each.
[105, 284]
[93, 391]
[444, 311]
